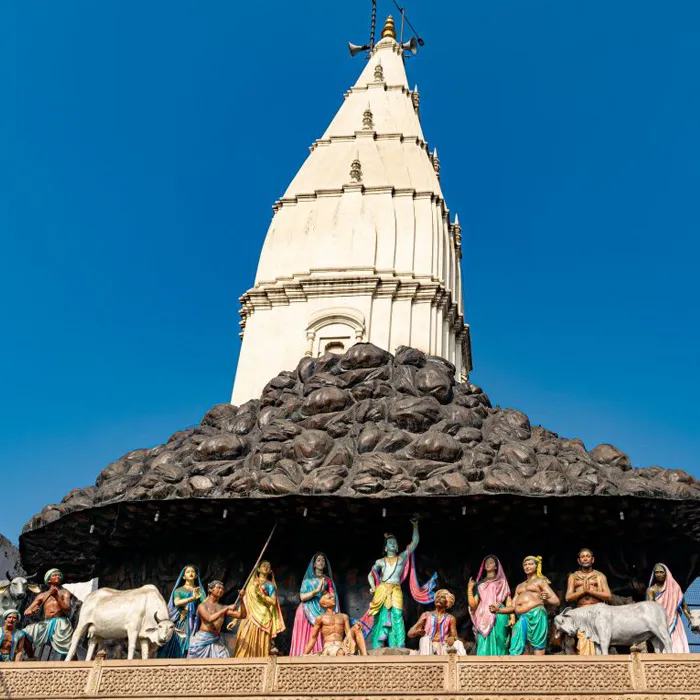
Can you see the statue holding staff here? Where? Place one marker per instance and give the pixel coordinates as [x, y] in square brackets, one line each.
[531, 624]
[185, 598]
[317, 581]
[14, 641]
[666, 591]
[55, 629]
[437, 630]
[492, 631]
[384, 619]
[339, 637]
[263, 621]
[586, 587]
[206, 642]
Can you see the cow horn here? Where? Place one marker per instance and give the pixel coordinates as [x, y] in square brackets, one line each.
[34, 575]
[7, 575]
[155, 614]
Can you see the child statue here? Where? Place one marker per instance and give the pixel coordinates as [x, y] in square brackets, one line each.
[263, 621]
[55, 630]
[14, 641]
[385, 615]
[492, 631]
[206, 643]
[437, 630]
[339, 638]
[318, 580]
[531, 624]
[664, 589]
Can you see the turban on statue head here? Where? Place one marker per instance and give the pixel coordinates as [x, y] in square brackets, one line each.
[448, 595]
[50, 573]
[538, 561]
[9, 612]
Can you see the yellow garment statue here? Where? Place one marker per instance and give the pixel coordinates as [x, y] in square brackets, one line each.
[263, 621]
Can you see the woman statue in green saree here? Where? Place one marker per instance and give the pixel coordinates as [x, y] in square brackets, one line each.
[187, 594]
[491, 588]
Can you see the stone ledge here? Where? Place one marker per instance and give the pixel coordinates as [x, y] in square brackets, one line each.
[652, 677]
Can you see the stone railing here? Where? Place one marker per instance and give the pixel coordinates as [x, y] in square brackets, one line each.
[641, 676]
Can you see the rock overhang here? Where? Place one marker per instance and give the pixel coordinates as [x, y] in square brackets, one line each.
[364, 427]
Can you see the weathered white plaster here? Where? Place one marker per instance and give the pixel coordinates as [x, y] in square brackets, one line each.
[373, 253]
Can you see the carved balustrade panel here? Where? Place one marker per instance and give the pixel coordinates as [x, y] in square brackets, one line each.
[183, 679]
[673, 676]
[550, 676]
[46, 682]
[351, 676]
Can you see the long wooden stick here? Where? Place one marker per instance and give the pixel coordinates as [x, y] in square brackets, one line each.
[232, 624]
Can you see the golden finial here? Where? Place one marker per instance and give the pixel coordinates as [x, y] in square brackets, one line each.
[389, 28]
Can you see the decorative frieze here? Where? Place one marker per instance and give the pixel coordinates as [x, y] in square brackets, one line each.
[648, 676]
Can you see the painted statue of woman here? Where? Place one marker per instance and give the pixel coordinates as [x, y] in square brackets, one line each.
[492, 631]
[263, 620]
[318, 580]
[664, 589]
[187, 594]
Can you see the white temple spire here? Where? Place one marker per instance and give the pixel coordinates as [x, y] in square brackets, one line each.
[359, 248]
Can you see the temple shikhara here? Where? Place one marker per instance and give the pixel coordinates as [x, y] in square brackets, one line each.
[360, 521]
[361, 247]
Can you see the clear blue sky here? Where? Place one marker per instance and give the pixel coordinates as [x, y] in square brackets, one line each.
[143, 143]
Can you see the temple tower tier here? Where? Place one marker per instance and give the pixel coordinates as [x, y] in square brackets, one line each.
[361, 246]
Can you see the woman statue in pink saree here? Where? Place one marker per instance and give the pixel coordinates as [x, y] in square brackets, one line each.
[664, 589]
[317, 581]
[492, 631]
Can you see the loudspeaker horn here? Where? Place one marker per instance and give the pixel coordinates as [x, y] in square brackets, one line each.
[411, 46]
[355, 49]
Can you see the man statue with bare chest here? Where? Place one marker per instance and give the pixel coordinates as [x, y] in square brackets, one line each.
[339, 638]
[206, 643]
[586, 586]
[55, 630]
[13, 642]
[531, 624]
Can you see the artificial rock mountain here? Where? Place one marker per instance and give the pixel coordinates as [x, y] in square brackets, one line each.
[362, 427]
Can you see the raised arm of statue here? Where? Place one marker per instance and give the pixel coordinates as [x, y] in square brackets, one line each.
[415, 539]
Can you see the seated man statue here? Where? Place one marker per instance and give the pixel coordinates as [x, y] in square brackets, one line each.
[437, 630]
[206, 642]
[531, 624]
[14, 641]
[339, 638]
[55, 630]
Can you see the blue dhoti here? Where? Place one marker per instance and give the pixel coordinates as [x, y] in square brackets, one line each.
[205, 645]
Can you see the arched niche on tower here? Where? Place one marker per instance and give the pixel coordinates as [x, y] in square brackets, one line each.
[334, 330]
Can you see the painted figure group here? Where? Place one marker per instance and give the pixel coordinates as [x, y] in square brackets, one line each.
[504, 623]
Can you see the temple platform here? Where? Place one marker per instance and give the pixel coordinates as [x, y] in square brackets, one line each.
[640, 676]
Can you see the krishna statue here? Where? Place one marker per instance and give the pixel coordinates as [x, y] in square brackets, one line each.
[383, 622]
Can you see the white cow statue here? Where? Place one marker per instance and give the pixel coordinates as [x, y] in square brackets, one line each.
[13, 591]
[618, 624]
[139, 615]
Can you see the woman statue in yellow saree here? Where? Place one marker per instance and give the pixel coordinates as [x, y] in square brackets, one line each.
[263, 621]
